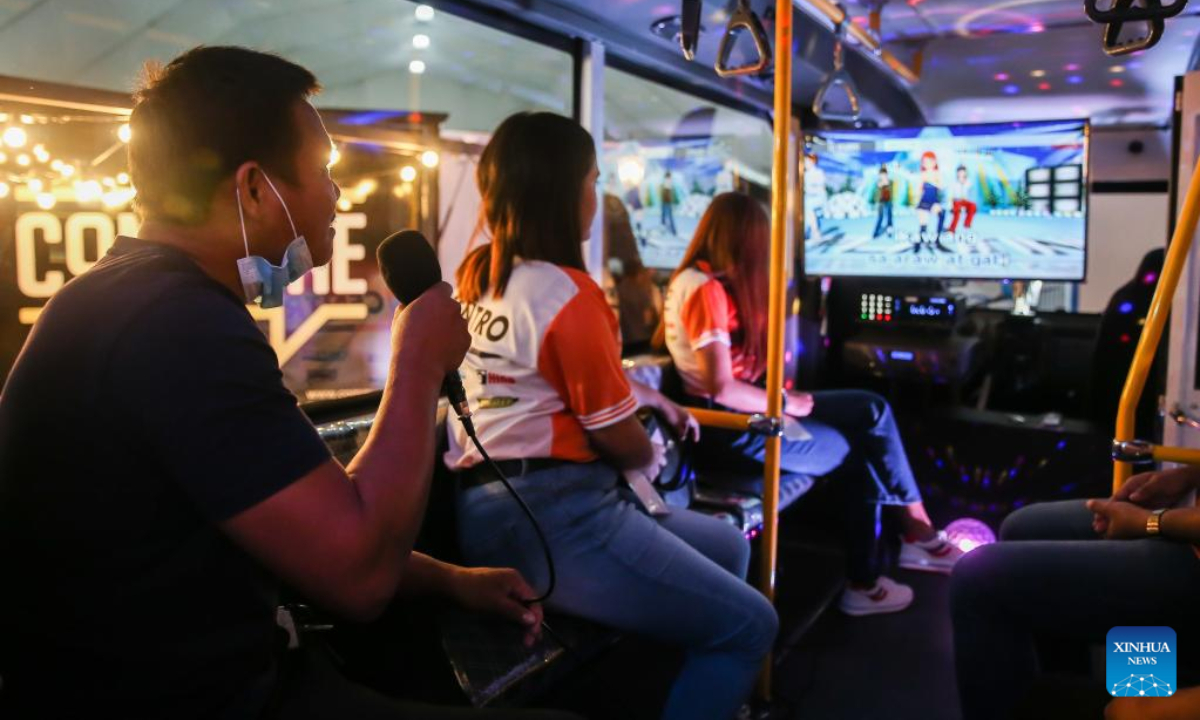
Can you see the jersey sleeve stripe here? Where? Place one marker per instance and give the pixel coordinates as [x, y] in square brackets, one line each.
[714, 336]
[609, 416]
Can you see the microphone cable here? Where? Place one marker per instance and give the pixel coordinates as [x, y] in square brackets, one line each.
[469, 426]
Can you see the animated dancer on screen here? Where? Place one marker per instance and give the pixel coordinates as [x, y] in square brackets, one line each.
[668, 199]
[884, 201]
[931, 188]
[960, 196]
[815, 196]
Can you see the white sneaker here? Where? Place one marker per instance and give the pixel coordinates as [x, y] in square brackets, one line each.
[888, 596]
[937, 555]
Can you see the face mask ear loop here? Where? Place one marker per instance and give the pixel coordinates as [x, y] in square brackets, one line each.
[285, 207]
[241, 219]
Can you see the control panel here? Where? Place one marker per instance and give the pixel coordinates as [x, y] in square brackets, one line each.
[929, 311]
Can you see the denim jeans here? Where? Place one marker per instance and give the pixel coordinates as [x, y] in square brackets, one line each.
[885, 210]
[854, 439]
[1052, 575]
[678, 579]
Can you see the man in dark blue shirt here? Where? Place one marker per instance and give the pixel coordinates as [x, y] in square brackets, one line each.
[158, 482]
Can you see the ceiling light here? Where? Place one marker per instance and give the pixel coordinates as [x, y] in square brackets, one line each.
[420, 42]
[424, 13]
[416, 67]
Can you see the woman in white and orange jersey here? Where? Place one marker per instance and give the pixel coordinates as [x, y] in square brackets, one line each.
[714, 326]
[554, 408]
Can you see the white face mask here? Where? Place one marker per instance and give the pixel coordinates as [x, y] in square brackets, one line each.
[260, 279]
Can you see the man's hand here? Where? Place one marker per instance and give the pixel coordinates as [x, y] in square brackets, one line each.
[1117, 520]
[679, 418]
[430, 332]
[799, 404]
[498, 591]
[1155, 490]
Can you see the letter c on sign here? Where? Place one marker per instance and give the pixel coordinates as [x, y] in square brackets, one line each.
[28, 226]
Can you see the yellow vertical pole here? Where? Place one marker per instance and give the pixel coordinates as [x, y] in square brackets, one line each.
[778, 293]
[1156, 320]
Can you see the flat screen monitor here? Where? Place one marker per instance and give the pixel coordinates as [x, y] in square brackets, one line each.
[995, 201]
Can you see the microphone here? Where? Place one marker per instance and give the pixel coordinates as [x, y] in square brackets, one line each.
[409, 268]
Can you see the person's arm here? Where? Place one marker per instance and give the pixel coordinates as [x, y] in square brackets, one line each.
[343, 537]
[1183, 705]
[718, 382]
[1126, 521]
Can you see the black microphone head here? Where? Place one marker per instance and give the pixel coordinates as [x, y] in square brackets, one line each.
[409, 264]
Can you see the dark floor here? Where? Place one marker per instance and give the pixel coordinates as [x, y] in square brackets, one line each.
[892, 667]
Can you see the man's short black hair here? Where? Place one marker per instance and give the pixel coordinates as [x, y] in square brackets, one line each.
[204, 114]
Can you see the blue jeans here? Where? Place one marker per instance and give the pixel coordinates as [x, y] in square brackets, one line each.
[855, 439]
[678, 579]
[1052, 575]
[885, 210]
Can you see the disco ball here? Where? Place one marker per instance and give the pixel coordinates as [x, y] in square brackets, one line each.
[969, 533]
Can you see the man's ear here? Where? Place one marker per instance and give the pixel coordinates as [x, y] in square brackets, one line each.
[250, 184]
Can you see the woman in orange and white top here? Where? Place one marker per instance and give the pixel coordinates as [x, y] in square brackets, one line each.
[714, 326]
[553, 406]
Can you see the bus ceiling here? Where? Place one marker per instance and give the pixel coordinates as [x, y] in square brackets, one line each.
[937, 60]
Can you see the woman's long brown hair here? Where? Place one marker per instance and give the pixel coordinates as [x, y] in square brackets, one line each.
[531, 178]
[734, 238]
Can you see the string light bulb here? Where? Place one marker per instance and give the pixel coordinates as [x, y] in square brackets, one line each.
[39, 152]
[124, 133]
[430, 158]
[27, 119]
[15, 137]
[123, 178]
[23, 160]
[88, 191]
[408, 173]
[46, 200]
[3, 158]
[5, 190]
[35, 185]
[116, 198]
[67, 170]
[345, 205]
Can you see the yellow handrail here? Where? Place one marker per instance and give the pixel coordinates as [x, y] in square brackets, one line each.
[1156, 320]
[777, 289]
[721, 419]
